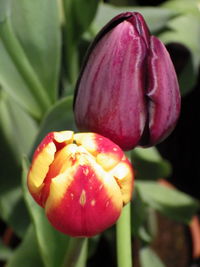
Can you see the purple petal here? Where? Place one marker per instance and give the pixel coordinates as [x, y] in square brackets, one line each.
[110, 98]
[139, 23]
[162, 92]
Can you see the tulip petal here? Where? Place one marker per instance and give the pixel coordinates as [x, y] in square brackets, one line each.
[43, 158]
[106, 152]
[110, 98]
[123, 174]
[83, 201]
[162, 92]
[87, 140]
[139, 23]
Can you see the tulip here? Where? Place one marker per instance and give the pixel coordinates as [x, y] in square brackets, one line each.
[81, 180]
[127, 90]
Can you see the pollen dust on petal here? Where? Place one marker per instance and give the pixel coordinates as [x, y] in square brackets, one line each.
[93, 202]
[82, 199]
[85, 171]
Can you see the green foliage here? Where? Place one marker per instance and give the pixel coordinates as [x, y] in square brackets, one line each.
[78, 15]
[156, 17]
[18, 128]
[27, 254]
[59, 118]
[29, 68]
[41, 45]
[148, 164]
[151, 196]
[5, 8]
[184, 29]
[5, 252]
[37, 27]
[149, 258]
[139, 219]
[17, 133]
[12, 208]
[170, 202]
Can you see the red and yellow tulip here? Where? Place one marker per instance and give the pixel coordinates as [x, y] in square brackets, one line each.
[81, 180]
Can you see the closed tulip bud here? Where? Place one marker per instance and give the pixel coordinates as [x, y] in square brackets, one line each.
[81, 180]
[127, 89]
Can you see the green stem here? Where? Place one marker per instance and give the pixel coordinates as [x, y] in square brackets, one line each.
[19, 58]
[124, 251]
[77, 253]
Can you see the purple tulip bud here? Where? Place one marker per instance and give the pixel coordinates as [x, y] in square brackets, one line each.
[127, 89]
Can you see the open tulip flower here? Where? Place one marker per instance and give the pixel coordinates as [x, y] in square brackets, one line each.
[81, 180]
[127, 89]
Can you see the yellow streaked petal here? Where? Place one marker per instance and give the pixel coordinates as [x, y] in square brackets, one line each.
[87, 140]
[64, 136]
[123, 174]
[58, 188]
[107, 160]
[63, 159]
[60, 184]
[40, 167]
[66, 158]
[107, 180]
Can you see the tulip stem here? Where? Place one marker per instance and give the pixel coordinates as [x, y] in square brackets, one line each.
[123, 231]
[77, 253]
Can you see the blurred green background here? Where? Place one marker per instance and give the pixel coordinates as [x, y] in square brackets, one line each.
[42, 46]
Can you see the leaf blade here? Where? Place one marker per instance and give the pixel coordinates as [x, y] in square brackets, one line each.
[26, 255]
[170, 202]
[37, 27]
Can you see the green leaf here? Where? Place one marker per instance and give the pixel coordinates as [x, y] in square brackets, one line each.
[18, 128]
[27, 254]
[5, 8]
[59, 118]
[5, 252]
[52, 244]
[36, 24]
[187, 78]
[29, 68]
[170, 202]
[17, 132]
[185, 29]
[183, 6]
[144, 221]
[155, 17]
[12, 208]
[79, 14]
[10, 176]
[180, 31]
[149, 258]
[85, 11]
[138, 218]
[15, 85]
[149, 164]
